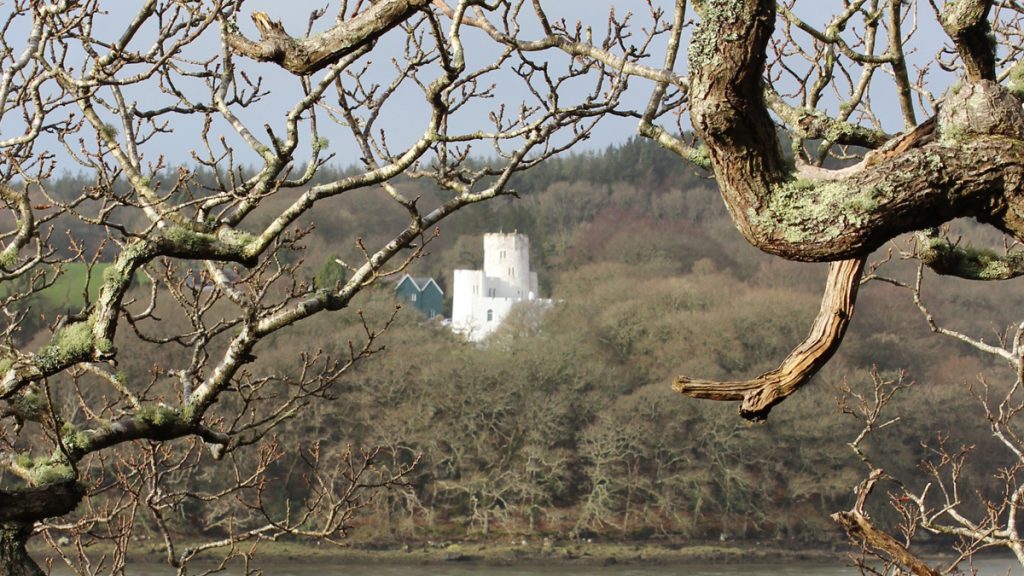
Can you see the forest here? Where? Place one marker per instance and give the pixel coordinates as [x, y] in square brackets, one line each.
[564, 422]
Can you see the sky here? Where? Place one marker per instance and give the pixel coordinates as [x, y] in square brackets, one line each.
[403, 120]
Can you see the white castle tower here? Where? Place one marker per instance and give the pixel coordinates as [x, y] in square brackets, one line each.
[482, 298]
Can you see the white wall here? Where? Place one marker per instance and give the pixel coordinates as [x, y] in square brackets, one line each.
[505, 280]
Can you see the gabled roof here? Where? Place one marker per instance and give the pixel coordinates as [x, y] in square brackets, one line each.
[419, 282]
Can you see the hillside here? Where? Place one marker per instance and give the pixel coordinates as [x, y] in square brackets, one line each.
[564, 422]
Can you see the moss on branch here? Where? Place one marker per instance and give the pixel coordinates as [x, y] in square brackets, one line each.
[225, 244]
[158, 416]
[71, 344]
[968, 262]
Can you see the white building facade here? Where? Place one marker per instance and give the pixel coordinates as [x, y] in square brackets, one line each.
[482, 298]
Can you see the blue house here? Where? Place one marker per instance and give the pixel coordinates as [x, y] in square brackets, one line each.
[423, 293]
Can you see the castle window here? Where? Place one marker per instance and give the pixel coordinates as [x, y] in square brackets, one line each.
[490, 315]
[492, 292]
[412, 297]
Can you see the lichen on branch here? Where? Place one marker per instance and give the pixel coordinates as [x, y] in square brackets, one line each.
[968, 161]
[307, 55]
[950, 259]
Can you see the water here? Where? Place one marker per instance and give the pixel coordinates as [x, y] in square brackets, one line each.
[989, 566]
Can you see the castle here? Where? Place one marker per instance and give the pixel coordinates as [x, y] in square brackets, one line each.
[482, 298]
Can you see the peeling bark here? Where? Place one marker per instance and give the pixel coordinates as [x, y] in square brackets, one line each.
[757, 396]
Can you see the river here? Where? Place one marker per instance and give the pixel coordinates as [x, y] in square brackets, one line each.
[987, 567]
[1001, 566]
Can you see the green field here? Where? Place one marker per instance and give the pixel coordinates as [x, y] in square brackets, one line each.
[67, 291]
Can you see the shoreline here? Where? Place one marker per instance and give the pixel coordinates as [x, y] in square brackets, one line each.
[622, 559]
[545, 552]
[592, 554]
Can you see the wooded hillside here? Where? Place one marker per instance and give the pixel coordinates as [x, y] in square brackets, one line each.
[565, 421]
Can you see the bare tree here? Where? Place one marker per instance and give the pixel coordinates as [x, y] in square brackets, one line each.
[791, 110]
[848, 183]
[943, 500]
[217, 246]
[202, 262]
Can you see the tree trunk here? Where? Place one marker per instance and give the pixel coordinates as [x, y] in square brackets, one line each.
[20, 509]
[966, 162]
[14, 559]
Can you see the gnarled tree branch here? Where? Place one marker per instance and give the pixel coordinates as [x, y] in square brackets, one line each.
[307, 55]
[967, 161]
[949, 259]
[859, 526]
[970, 169]
[757, 396]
